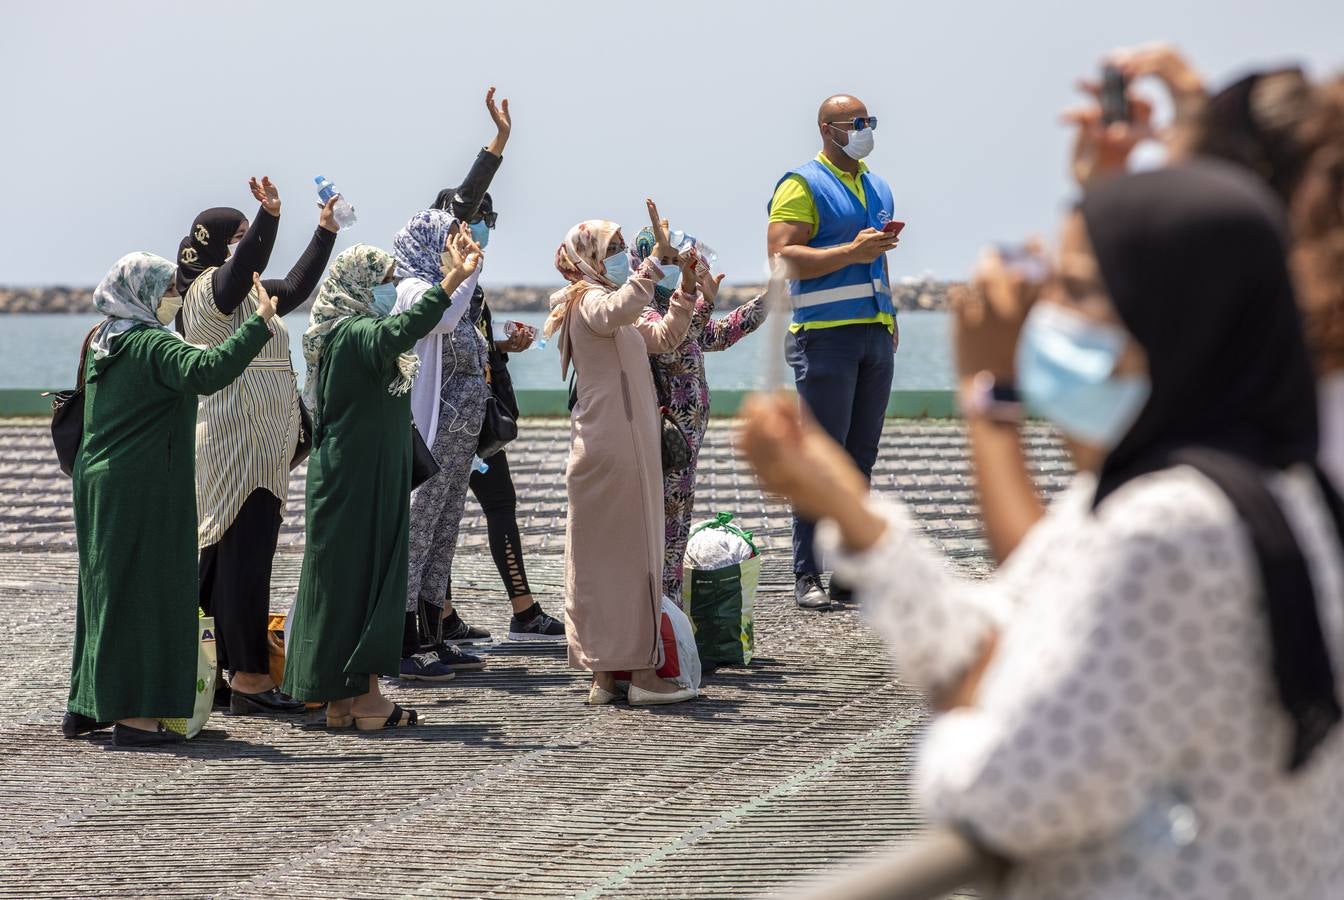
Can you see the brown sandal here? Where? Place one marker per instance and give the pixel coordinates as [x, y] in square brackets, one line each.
[399, 718]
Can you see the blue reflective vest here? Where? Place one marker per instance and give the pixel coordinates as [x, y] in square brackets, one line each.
[858, 291]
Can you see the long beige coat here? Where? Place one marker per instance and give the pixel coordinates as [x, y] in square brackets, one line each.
[614, 530]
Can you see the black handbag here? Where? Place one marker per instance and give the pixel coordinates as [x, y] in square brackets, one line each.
[305, 444]
[423, 464]
[67, 414]
[676, 448]
[498, 428]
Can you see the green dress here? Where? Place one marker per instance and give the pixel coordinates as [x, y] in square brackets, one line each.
[351, 608]
[135, 521]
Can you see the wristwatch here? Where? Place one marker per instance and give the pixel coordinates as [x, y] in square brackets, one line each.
[989, 398]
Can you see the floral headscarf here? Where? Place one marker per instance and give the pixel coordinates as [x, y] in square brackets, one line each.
[418, 247]
[129, 295]
[578, 259]
[348, 291]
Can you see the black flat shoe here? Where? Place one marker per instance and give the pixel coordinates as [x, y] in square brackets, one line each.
[126, 736]
[841, 594]
[266, 703]
[73, 725]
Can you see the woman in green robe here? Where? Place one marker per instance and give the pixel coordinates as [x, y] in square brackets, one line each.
[349, 615]
[135, 504]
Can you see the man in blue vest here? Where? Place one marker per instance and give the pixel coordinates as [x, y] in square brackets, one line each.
[826, 220]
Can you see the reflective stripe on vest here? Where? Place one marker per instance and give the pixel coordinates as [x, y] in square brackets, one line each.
[857, 291]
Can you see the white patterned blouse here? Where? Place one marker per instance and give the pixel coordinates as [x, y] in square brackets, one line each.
[1125, 739]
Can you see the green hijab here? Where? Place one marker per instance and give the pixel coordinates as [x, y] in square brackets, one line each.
[347, 292]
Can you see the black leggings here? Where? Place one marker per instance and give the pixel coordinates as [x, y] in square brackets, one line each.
[494, 491]
[235, 584]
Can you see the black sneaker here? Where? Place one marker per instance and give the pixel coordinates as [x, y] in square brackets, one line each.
[534, 625]
[455, 631]
[425, 667]
[456, 660]
[809, 594]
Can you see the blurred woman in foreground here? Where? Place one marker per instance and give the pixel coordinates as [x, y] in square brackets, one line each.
[1143, 700]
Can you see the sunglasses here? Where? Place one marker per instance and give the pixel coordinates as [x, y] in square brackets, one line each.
[858, 123]
[489, 219]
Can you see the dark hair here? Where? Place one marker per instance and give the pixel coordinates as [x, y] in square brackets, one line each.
[1317, 217]
[1257, 122]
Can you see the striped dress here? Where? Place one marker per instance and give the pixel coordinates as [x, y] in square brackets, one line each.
[246, 433]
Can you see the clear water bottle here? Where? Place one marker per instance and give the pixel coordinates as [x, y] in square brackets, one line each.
[345, 213]
[479, 465]
[683, 241]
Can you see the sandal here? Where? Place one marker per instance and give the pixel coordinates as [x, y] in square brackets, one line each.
[399, 718]
[344, 721]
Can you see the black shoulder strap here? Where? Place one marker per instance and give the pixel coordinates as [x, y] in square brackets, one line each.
[84, 357]
[1301, 661]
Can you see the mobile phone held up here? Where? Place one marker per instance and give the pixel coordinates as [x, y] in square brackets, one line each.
[893, 228]
[1114, 99]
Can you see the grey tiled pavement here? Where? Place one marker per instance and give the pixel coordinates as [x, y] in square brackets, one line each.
[513, 788]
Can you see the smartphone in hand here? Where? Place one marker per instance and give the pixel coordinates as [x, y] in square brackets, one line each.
[893, 227]
[1114, 96]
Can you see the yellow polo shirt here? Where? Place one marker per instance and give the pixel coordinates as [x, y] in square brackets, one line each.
[793, 203]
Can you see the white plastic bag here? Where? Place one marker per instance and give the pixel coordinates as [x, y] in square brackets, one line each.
[684, 669]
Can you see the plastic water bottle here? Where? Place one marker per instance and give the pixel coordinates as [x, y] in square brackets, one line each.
[683, 241]
[541, 342]
[479, 465]
[345, 213]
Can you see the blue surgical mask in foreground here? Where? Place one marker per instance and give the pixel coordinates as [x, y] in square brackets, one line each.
[618, 267]
[480, 233]
[384, 298]
[1066, 372]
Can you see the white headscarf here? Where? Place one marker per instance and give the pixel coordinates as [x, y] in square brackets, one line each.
[129, 296]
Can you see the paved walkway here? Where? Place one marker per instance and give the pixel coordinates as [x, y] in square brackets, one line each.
[514, 788]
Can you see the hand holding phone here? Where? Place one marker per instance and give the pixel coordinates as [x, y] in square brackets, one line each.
[893, 228]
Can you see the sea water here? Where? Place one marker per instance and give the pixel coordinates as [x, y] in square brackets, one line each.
[40, 351]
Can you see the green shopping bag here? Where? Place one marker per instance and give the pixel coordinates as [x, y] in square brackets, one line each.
[206, 666]
[720, 602]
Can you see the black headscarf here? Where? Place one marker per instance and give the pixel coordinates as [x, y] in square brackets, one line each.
[449, 200]
[1193, 258]
[206, 244]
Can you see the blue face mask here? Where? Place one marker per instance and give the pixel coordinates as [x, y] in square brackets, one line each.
[1065, 370]
[384, 298]
[671, 276]
[618, 267]
[480, 233]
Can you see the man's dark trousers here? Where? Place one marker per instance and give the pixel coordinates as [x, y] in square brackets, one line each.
[844, 375]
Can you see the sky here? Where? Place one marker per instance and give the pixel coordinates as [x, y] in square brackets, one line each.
[123, 120]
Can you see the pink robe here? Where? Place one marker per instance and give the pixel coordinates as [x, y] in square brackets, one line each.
[614, 481]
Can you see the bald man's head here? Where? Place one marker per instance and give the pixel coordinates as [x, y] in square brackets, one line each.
[839, 108]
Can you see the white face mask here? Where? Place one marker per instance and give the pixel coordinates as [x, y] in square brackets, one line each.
[860, 144]
[167, 310]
